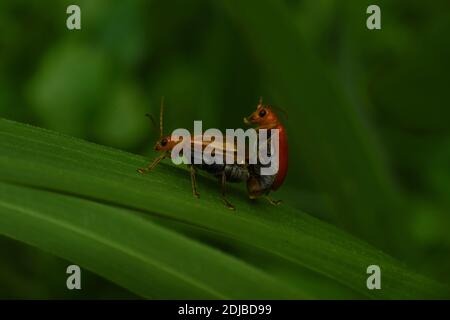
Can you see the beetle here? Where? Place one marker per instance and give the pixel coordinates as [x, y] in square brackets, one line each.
[237, 172]
[264, 117]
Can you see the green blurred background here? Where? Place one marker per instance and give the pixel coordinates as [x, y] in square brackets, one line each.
[98, 83]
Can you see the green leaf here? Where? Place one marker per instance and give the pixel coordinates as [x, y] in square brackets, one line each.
[86, 203]
[128, 249]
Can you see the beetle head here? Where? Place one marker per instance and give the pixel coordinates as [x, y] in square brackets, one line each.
[262, 117]
[165, 144]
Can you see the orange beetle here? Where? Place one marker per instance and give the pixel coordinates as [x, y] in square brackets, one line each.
[257, 185]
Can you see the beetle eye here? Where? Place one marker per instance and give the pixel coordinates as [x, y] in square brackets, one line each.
[163, 142]
[262, 113]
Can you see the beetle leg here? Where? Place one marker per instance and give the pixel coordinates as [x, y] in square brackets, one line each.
[273, 202]
[225, 201]
[152, 165]
[194, 182]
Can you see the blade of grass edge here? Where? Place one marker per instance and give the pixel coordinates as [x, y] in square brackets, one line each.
[38, 157]
[135, 253]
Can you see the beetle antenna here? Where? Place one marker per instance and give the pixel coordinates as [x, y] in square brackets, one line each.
[154, 126]
[148, 115]
[260, 101]
[161, 117]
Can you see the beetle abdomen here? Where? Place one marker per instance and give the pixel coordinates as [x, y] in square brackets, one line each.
[233, 172]
[258, 184]
[236, 173]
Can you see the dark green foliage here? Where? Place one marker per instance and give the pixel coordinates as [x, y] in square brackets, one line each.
[368, 125]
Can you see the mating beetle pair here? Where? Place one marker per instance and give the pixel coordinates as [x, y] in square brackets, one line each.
[257, 185]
